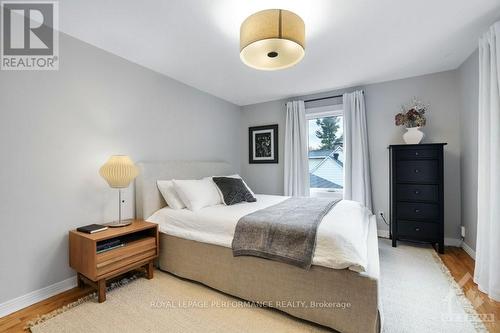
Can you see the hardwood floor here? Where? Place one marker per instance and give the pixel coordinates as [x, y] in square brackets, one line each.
[461, 266]
[456, 259]
[17, 321]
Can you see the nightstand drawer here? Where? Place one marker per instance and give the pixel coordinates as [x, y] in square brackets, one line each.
[417, 230]
[428, 193]
[110, 267]
[417, 211]
[416, 154]
[124, 257]
[417, 171]
[130, 249]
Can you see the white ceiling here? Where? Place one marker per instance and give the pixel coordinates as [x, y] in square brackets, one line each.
[349, 42]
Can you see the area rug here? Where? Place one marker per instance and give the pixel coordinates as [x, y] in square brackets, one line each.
[418, 295]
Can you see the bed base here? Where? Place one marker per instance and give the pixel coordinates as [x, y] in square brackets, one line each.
[344, 300]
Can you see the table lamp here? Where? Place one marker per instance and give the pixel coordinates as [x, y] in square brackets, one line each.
[119, 171]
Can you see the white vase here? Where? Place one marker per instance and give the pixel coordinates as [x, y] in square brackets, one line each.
[413, 135]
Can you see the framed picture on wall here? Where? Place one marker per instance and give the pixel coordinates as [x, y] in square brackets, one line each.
[263, 144]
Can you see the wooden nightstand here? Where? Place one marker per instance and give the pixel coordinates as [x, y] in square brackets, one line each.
[141, 246]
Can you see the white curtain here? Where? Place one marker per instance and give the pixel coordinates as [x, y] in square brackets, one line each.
[357, 182]
[487, 272]
[296, 163]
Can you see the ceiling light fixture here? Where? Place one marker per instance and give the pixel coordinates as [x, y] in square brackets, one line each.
[272, 39]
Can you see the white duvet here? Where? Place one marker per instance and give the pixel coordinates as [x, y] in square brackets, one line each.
[341, 240]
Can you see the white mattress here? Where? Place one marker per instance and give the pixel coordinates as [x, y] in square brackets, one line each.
[341, 238]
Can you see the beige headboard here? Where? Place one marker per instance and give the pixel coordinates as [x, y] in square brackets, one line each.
[148, 198]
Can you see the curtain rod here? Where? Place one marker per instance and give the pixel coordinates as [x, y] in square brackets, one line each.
[327, 97]
[322, 98]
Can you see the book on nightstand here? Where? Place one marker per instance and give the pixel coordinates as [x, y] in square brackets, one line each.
[92, 228]
[109, 245]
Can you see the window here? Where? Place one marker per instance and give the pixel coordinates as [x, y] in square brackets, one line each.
[326, 151]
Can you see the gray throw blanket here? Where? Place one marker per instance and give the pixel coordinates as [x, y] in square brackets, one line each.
[285, 232]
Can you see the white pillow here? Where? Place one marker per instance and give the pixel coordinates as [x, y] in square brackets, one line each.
[197, 194]
[170, 195]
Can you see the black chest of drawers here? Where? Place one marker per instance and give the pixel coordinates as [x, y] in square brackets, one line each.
[417, 200]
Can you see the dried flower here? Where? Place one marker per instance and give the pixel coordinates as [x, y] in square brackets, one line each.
[400, 119]
[412, 114]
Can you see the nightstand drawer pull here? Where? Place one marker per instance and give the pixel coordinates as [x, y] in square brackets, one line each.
[416, 153]
[417, 229]
[417, 170]
[417, 192]
[417, 210]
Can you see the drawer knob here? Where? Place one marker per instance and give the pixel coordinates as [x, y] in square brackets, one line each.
[416, 153]
[417, 171]
[417, 229]
[417, 210]
[417, 192]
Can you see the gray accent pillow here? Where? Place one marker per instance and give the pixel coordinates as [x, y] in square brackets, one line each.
[233, 190]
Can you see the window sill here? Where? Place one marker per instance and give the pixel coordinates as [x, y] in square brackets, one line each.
[325, 193]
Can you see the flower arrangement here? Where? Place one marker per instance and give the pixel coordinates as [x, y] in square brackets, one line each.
[412, 114]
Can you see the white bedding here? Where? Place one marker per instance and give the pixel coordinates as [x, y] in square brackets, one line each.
[341, 238]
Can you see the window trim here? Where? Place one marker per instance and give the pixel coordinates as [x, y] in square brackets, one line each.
[324, 192]
[325, 111]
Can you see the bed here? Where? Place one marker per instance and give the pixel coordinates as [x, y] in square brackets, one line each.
[342, 299]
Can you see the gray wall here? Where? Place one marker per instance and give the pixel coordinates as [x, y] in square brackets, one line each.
[383, 101]
[263, 178]
[56, 130]
[468, 78]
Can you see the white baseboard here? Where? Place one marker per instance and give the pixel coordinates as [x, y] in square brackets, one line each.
[469, 250]
[383, 233]
[36, 296]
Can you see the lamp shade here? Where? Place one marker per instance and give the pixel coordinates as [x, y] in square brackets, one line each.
[119, 171]
[272, 39]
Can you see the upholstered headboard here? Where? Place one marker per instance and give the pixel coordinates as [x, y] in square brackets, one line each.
[148, 198]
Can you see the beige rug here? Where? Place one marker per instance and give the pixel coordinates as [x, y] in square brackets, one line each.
[417, 295]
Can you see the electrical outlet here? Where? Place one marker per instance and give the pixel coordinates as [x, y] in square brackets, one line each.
[381, 213]
[462, 231]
